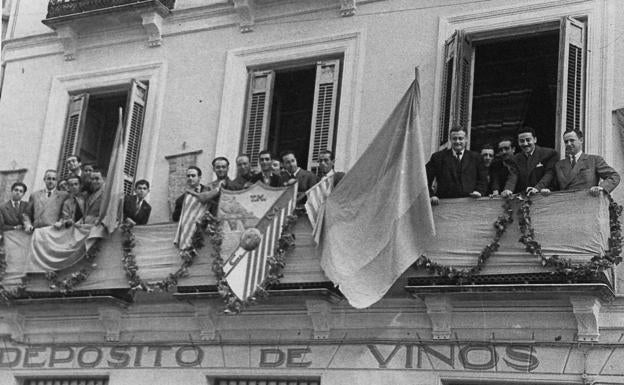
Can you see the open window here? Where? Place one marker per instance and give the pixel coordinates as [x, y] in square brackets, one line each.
[495, 82]
[292, 108]
[91, 126]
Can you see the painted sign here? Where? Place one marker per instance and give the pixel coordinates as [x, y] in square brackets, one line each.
[526, 358]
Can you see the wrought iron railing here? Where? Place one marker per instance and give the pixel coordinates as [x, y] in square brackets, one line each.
[58, 8]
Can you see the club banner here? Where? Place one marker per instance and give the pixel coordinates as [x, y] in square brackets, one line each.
[252, 221]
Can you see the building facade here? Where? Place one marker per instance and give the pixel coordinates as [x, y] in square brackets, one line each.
[199, 79]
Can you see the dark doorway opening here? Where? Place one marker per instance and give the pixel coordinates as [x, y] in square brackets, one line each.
[101, 125]
[515, 85]
[291, 115]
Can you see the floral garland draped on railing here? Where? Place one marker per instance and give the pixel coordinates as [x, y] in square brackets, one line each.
[573, 271]
[74, 279]
[187, 256]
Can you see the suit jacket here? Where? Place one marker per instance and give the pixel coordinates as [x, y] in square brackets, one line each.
[239, 182]
[338, 177]
[178, 204]
[456, 181]
[92, 206]
[44, 210]
[536, 171]
[73, 209]
[11, 217]
[305, 180]
[499, 172]
[587, 172]
[275, 180]
[140, 216]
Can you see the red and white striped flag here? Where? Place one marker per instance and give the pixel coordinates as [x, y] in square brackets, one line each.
[315, 205]
[192, 212]
[245, 270]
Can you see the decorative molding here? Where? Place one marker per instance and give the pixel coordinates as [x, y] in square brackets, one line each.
[440, 312]
[320, 313]
[206, 317]
[586, 310]
[246, 10]
[69, 39]
[152, 24]
[15, 322]
[347, 7]
[111, 322]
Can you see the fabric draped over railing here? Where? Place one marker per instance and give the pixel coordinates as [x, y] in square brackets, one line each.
[571, 224]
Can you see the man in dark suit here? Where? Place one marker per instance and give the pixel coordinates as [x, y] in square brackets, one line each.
[457, 171]
[193, 178]
[243, 174]
[267, 174]
[14, 213]
[136, 209]
[93, 201]
[295, 174]
[487, 157]
[326, 166]
[74, 164]
[583, 171]
[533, 168]
[46, 204]
[499, 170]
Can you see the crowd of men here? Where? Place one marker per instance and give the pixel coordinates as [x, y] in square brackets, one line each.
[272, 172]
[75, 200]
[78, 198]
[451, 173]
[457, 172]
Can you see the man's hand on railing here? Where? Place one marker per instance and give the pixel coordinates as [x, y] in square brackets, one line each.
[545, 191]
[434, 200]
[475, 194]
[531, 191]
[595, 191]
[506, 193]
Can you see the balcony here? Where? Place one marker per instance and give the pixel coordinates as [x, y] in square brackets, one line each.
[71, 18]
[571, 225]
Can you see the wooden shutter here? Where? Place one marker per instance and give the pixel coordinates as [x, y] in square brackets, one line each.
[258, 113]
[571, 82]
[456, 85]
[137, 98]
[66, 381]
[74, 127]
[323, 110]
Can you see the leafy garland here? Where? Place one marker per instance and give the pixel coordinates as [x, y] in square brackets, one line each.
[276, 263]
[187, 256]
[74, 279]
[467, 275]
[573, 271]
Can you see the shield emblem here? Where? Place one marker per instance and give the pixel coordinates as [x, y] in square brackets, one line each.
[252, 221]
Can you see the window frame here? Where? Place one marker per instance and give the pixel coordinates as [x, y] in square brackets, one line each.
[505, 21]
[235, 88]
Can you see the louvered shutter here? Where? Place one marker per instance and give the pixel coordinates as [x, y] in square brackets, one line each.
[323, 110]
[135, 115]
[66, 381]
[258, 114]
[74, 127]
[456, 86]
[571, 91]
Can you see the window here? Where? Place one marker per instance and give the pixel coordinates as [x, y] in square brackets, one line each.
[494, 83]
[292, 108]
[91, 125]
[265, 381]
[66, 381]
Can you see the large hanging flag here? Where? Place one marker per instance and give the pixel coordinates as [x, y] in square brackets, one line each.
[315, 204]
[252, 225]
[378, 219]
[111, 211]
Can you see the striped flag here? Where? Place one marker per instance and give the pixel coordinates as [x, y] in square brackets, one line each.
[192, 212]
[315, 205]
[246, 270]
[111, 210]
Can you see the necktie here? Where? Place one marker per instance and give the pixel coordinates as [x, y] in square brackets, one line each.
[138, 206]
[49, 193]
[572, 160]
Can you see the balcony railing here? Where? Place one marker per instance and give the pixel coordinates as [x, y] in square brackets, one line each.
[57, 8]
[572, 225]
